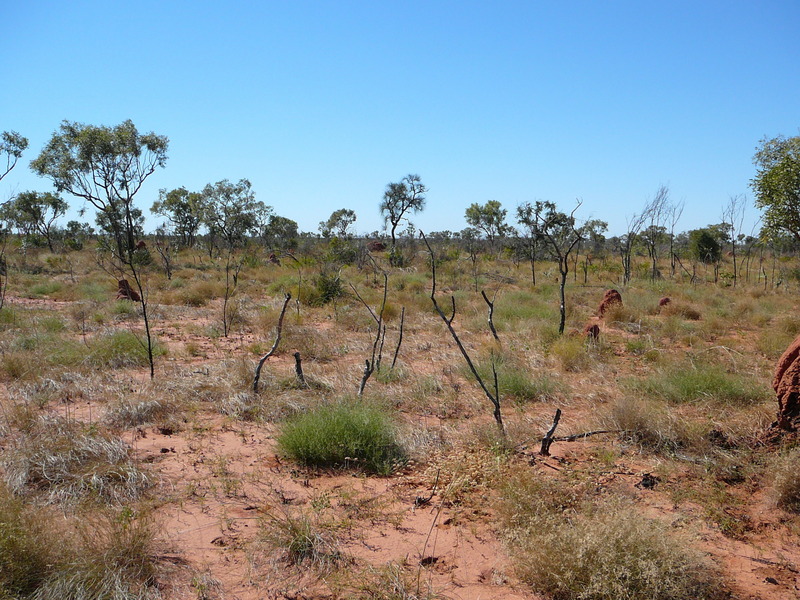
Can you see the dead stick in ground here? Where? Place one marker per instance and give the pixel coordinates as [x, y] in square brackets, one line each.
[298, 369]
[491, 313]
[548, 438]
[400, 338]
[274, 346]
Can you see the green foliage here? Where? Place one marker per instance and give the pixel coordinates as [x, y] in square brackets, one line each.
[184, 209]
[303, 539]
[12, 145]
[408, 195]
[35, 213]
[515, 381]
[106, 166]
[338, 224]
[106, 557]
[328, 287]
[121, 348]
[489, 218]
[343, 435]
[777, 184]
[702, 382]
[704, 246]
[230, 211]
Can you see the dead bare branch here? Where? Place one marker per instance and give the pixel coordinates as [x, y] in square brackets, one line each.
[264, 358]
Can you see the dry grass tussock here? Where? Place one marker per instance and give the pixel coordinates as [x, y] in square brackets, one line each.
[571, 546]
[66, 462]
[104, 555]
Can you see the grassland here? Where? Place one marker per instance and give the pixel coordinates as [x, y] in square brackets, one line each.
[193, 485]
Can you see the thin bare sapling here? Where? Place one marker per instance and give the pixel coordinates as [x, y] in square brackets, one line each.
[494, 398]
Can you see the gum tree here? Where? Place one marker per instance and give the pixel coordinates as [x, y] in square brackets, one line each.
[35, 214]
[12, 145]
[490, 218]
[107, 166]
[184, 210]
[560, 235]
[400, 198]
[777, 184]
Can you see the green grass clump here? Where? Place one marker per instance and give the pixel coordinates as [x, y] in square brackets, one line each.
[516, 381]
[570, 547]
[121, 348]
[345, 434]
[691, 383]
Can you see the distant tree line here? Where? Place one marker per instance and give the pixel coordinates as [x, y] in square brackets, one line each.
[106, 167]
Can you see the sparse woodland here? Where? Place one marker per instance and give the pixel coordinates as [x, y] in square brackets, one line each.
[445, 416]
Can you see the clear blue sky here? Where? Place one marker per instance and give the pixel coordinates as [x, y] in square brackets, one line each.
[321, 104]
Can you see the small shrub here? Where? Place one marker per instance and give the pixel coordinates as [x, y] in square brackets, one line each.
[350, 435]
[135, 412]
[242, 406]
[568, 548]
[571, 353]
[199, 293]
[44, 288]
[646, 424]
[125, 309]
[66, 464]
[394, 582]
[302, 539]
[685, 311]
[514, 380]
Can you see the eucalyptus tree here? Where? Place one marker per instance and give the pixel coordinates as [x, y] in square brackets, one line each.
[527, 218]
[490, 218]
[407, 195]
[777, 184]
[12, 145]
[107, 166]
[184, 210]
[35, 214]
[560, 234]
[338, 224]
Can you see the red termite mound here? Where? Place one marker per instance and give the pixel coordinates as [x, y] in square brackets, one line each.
[610, 298]
[126, 292]
[376, 246]
[591, 331]
[786, 384]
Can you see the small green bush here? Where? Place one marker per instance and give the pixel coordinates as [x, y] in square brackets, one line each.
[346, 434]
[515, 381]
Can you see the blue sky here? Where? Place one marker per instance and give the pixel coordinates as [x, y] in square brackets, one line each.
[321, 104]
